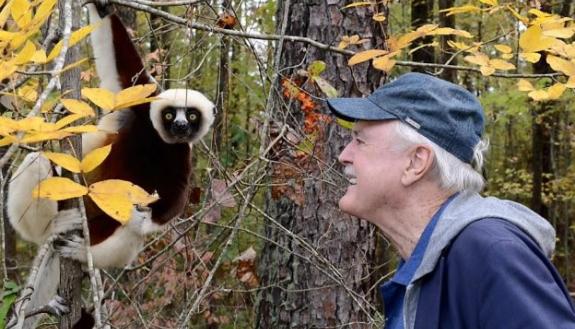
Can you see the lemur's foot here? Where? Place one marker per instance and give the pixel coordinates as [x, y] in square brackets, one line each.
[71, 246]
[57, 306]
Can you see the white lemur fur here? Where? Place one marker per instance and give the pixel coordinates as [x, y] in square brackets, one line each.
[112, 245]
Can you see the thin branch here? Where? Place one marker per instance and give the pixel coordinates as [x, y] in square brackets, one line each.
[138, 5]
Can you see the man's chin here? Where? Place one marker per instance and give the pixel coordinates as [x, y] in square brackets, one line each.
[345, 205]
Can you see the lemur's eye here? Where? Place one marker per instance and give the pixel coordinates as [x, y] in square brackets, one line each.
[192, 117]
[168, 116]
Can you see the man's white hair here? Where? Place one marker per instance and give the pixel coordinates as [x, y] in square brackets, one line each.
[451, 173]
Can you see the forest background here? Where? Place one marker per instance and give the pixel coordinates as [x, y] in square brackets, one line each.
[262, 244]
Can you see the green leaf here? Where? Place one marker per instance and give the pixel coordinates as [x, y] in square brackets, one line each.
[316, 68]
[8, 298]
[344, 124]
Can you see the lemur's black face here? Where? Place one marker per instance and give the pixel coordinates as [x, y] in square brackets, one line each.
[182, 123]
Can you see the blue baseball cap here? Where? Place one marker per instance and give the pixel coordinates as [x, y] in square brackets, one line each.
[447, 114]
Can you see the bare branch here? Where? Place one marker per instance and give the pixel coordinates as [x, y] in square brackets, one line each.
[273, 37]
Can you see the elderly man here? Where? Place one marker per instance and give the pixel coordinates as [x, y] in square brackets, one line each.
[467, 262]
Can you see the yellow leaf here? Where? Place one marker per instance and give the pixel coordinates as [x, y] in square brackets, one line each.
[533, 40]
[358, 4]
[21, 13]
[524, 85]
[134, 103]
[95, 158]
[133, 94]
[67, 120]
[25, 54]
[426, 28]
[562, 33]
[487, 70]
[8, 126]
[75, 37]
[48, 105]
[65, 161]
[500, 64]
[489, 2]
[530, 57]
[78, 107]
[132, 192]
[450, 31]
[504, 48]
[460, 10]
[405, 40]
[463, 46]
[506, 56]
[5, 13]
[539, 13]
[99, 96]
[379, 17]
[31, 123]
[570, 82]
[80, 129]
[556, 90]
[44, 136]
[59, 188]
[7, 140]
[561, 65]
[44, 11]
[20, 38]
[366, 56]
[384, 63]
[538, 95]
[477, 58]
[115, 206]
[6, 35]
[28, 93]
[116, 197]
[39, 57]
[7, 69]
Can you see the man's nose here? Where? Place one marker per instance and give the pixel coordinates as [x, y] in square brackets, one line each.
[345, 155]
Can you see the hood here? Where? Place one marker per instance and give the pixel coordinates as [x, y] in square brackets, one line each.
[466, 208]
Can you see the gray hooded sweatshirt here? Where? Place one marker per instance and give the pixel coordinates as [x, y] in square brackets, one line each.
[464, 209]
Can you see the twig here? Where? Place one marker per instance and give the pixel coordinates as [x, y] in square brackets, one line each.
[58, 65]
[42, 258]
[182, 21]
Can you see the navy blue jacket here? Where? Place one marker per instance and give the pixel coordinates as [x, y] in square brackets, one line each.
[493, 275]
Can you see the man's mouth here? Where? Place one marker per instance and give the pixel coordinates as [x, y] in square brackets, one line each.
[350, 175]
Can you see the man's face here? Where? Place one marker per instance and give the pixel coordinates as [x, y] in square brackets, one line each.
[373, 164]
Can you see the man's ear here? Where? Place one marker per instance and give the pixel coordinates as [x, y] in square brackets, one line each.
[421, 161]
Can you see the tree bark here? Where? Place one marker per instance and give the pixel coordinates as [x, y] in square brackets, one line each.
[421, 14]
[542, 121]
[220, 122]
[308, 275]
[444, 55]
[70, 270]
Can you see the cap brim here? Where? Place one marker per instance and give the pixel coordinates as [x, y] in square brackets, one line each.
[352, 109]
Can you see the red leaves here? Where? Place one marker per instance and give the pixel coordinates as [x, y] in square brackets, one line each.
[292, 90]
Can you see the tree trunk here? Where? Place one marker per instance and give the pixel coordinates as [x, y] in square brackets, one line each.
[542, 120]
[421, 14]
[444, 55]
[220, 122]
[70, 270]
[317, 274]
